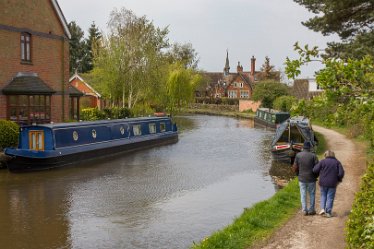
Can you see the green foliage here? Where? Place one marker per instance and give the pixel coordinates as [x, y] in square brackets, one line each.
[9, 132]
[267, 92]
[351, 20]
[183, 53]
[142, 110]
[92, 43]
[360, 224]
[77, 47]
[256, 222]
[180, 86]
[306, 54]
[91, 114]
[284, 103]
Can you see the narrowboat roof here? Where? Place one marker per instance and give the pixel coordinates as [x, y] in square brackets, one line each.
[302, 124]
[273, 111]
[99, 122]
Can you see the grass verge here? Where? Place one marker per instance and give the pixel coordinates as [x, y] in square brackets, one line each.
[257, 222]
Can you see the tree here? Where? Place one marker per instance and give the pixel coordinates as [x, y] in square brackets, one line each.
[181, 84]
[77, 47]
[351, 20]
[92, 43]
[130, 61]
[267, 92]
[284, 103]
[268, 70]
[183, 53]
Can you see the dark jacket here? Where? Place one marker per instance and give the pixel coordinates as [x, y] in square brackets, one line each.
[305, 161]
[330, 172]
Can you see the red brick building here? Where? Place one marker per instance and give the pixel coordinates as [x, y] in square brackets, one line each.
[239, 84]
[34, 62]
[91, 98]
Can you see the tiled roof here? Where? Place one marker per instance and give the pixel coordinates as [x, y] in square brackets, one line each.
[74, 92]
[300, 88]
[27, 84]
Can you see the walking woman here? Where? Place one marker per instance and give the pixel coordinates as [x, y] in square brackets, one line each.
[330, 172]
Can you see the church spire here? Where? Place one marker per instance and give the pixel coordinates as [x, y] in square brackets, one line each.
[226, 70]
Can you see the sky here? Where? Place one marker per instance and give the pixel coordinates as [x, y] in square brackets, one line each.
[244, 28]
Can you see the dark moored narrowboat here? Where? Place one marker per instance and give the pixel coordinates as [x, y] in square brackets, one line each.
[269, 118]
[53, 145]
[290, 137]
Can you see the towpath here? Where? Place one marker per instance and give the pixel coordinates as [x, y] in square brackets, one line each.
[315, 232]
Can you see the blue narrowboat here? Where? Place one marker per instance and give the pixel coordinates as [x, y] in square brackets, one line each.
[48, 146]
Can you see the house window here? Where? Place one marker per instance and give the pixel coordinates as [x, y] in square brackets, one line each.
[26, 47]
[36, 140]
[244, 94]
[232, 94]
[28, 109]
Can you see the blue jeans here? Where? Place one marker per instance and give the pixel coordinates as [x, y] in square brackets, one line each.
[327, 198]
[309, 187]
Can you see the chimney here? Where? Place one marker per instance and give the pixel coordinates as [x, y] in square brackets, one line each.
[253, 65]
[239, 68]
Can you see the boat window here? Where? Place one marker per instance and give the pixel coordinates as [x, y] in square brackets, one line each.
[273, 118]
[94, 134]
[137, 130]
[162, 127]
[75, 135]
[152, 128]
[36, 140]
[122, 130]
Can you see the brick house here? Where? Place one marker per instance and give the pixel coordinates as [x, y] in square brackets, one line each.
[234, 85]
[91, 98]
[34, 62]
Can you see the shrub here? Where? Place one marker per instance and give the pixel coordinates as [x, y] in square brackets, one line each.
[284, 103]
[91, 114]
[9, 132]
[360, 224]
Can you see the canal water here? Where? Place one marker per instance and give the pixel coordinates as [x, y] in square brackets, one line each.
[164, 197]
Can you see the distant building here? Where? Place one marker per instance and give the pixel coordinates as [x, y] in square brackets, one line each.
[306, 88]
[239, 84]
[34, 62]
[91, 98]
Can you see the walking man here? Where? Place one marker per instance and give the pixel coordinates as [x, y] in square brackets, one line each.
[304, 163]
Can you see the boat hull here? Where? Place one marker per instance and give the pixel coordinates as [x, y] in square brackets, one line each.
[259, 123]
[19, 163]
[285, 156]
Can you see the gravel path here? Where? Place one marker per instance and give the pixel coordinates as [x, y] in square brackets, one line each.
[317, 232]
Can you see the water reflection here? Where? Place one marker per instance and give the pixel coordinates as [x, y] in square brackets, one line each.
[163, 197]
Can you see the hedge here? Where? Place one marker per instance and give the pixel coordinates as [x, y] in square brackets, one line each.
[360, 224]
[91, 114]
[9, 132]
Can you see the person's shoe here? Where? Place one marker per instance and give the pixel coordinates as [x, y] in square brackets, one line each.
[328, 215]
[322, 212]
[311, 212]
[305, 213]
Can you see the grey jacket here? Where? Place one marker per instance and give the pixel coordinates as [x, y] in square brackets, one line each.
[305, 161]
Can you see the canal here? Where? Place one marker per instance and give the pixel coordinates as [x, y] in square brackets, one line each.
[163, 197]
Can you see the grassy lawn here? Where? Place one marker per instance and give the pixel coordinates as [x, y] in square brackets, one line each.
[262, 219]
